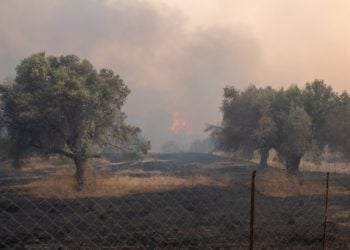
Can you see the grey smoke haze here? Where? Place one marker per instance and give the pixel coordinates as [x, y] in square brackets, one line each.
[167, 67]
[170, 63]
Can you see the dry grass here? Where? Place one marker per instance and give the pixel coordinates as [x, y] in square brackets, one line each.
[63, 185]
[307, 166]
[271, 183]
[281, 184]
[60, 183]
[340, 168]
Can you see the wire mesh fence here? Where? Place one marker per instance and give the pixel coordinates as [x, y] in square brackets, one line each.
[175, 204]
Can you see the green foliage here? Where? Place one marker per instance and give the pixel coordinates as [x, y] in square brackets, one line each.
[296, 137]
[247, 122]
[338, 125]
[319, 100]
[63, 105]
[292, 121]
[133, 148]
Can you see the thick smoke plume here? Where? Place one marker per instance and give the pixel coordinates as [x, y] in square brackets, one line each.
[170, 63]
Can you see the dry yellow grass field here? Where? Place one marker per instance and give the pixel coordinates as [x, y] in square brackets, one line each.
[274, 182]
[62, 184]
[58, 180]
[277, 183]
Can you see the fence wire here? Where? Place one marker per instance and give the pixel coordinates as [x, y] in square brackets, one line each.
[205, 208]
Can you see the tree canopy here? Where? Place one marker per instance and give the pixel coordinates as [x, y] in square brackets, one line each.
[63, 105]
[292, 121]
[247, 123]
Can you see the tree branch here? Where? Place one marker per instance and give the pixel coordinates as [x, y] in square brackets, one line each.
[116, 146]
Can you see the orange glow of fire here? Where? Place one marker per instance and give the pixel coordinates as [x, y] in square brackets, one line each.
[178, 122]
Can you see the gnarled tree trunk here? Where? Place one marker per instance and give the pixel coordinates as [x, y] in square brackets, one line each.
[264, 156]
[292, 162]
[80, 163]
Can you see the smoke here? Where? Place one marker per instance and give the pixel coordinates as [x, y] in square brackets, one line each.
[168, 67]
[176, 56]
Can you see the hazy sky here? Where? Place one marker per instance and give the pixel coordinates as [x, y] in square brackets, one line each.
[177, 55]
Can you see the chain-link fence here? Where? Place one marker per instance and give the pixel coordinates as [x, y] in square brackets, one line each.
[296, 211]
[196, 203]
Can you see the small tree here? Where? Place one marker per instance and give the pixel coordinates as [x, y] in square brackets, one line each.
[247, 123]
[62, 105]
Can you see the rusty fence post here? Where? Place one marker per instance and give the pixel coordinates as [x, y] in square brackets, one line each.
[252, 208]
[325, 215]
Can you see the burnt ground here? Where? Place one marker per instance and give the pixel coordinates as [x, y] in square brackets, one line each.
[198, 216]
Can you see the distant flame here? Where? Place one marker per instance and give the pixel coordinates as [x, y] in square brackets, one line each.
[178, 122]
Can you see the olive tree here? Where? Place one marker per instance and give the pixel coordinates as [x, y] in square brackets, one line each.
[296, 140]
[63, 105]
[247, 124]
[294, 126]
[293, 121]
[338, 124]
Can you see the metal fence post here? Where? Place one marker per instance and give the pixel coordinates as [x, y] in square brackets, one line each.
[252, 207]
[325, 214]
